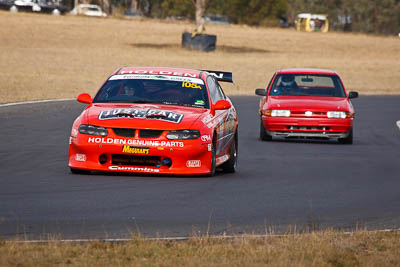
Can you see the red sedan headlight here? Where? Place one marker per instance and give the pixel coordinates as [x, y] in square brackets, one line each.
[338, 114]
[276, 112]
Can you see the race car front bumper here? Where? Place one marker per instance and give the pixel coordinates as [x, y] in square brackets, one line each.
[184, 157]
[307, 127]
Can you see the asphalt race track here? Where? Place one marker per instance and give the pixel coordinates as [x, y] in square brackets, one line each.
[280, 185]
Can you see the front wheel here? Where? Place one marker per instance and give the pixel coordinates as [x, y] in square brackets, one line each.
[264, 136]
[347, 140]
[231, 165]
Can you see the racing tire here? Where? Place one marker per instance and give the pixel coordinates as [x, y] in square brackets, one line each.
[231, 165]
[264, 136]
[347, 140]
[79, 171]
[213, 158]
[202, 42]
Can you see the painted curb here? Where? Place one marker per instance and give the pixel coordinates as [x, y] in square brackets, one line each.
[35, 102]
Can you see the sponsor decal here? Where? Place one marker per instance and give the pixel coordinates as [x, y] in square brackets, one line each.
[135, 150]
[205, 138]
[163, 115]
[176, 76]
[206, 119]
[222, 159]
[199, 102]
[210, 122]
[193, 163]
[133, 169]
[191, 85]
[80, 157]
[219, 75]
[209, 146]
[134, 142]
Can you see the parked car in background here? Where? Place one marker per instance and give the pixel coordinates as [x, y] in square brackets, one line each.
[6, 4]
[312, 22]
[88, 10]
[133, 14]
[217, 19]
[42, 6]
[306, 103]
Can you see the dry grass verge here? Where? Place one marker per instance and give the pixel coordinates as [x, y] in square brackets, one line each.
[328, 248]
[46, 57]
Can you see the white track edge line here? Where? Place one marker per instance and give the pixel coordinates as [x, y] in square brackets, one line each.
[35, 102]
[174, 238]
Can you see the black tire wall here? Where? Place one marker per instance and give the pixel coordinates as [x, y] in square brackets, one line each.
[202, 42]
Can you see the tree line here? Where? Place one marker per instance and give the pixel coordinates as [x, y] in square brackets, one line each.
[369, 16]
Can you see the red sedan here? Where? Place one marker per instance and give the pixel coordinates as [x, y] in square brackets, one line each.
[307, 103]
[156, 120]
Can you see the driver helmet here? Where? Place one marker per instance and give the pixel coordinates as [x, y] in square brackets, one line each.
[287, 80]
[128, 90]
[132, 88]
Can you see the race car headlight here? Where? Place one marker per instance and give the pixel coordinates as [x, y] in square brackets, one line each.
[337, 114]
[183, 134]
[92, 130]
[280, 113]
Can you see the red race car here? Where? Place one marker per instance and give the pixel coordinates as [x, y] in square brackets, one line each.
[156, 120]
[306, 103]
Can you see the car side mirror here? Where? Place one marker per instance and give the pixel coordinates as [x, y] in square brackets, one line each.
[84, 98]
[353, 94]
[261, 92]
[222, 104]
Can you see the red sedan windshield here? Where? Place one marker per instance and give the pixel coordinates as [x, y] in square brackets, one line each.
[307, 85]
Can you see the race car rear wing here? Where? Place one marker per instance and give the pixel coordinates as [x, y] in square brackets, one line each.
[222, 76]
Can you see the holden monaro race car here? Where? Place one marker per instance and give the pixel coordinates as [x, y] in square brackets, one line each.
[156, 120]
[306, 103]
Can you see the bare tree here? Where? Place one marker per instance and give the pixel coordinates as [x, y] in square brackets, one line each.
[106, 6]
[134, 5]
[200, 10]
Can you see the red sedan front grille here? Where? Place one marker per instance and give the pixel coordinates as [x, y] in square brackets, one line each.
[307, 114]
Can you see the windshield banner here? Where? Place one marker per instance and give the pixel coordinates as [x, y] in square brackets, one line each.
[156, 77]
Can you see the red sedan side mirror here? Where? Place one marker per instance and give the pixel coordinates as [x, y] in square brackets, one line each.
[222, 104]
[84, 98]
[353, 94]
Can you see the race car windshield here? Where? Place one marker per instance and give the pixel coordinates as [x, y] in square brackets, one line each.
[307, 85]
[154, 89]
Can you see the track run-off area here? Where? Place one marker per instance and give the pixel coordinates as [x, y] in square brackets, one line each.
[280, 185]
